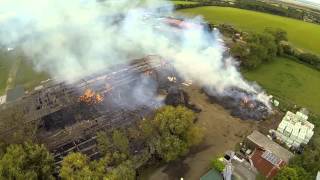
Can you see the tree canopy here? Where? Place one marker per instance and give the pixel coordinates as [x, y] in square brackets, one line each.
[172, 132]
[217, 164]
[125, 171]
[120, 140]
[26, 161]
[77, 166]
[257, 48]
[287, 173]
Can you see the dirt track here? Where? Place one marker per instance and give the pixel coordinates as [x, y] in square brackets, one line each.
[222, 132]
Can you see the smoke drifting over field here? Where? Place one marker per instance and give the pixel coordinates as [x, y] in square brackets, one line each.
[73, 38]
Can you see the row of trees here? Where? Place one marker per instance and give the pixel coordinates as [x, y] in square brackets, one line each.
[270, 8]
[167, 136]
[306, 57]
[279, 9]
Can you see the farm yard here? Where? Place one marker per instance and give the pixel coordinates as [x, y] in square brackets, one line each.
[301, 34]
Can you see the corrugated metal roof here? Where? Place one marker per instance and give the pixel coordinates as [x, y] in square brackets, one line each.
[264, 142]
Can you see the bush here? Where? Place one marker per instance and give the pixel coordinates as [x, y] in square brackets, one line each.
[257, 49]
[287, 173]
[309, 58]
[218, 165]
[172, 132]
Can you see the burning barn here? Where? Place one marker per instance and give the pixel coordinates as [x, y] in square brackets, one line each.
[70, 114]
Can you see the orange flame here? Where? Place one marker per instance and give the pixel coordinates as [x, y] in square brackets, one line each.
[148, 73]
[90, 97]
[246, 102]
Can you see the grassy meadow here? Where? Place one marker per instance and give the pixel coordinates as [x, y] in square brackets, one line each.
[183, 2]
[301, 34]
[14, 65]
[289, 80]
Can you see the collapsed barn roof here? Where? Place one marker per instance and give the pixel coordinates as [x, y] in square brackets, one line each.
[68, 123]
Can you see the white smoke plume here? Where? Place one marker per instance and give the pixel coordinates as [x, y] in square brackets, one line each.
[73, 38]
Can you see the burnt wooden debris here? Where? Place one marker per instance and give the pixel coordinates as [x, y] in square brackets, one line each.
[67, 124]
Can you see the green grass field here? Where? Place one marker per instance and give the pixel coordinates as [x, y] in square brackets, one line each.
[301, 34]
[28, 77]
[24, 74]
[183, 2]
[290, 80]
[6, 62]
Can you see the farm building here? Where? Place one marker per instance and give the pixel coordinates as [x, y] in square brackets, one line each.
[258, 140]
[68, 115]
[268, 157]
[294, 129]
[267, 163]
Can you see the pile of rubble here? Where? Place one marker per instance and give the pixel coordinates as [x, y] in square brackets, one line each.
[241, 104]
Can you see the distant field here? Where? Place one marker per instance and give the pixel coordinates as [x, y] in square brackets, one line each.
[24, 74]
[290, 80]
[6, 62]
[301, 34]
[184, 2]
[28, 77]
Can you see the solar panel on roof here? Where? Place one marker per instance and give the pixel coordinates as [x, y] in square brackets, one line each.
[267, 155]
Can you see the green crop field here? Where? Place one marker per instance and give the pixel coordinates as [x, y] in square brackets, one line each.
[183, 2]
[291, 80]
[301, 34]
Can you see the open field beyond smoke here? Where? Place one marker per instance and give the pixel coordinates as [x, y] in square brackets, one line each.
[291, 80]
[301, 34]
[184, 2]
[20, 71]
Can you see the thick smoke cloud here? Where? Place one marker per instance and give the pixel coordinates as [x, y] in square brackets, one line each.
[73, 38]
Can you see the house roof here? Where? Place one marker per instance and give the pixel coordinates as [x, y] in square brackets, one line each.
[266, 167]
[264, 142]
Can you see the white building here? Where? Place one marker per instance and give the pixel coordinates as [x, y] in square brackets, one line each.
[294, 129]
